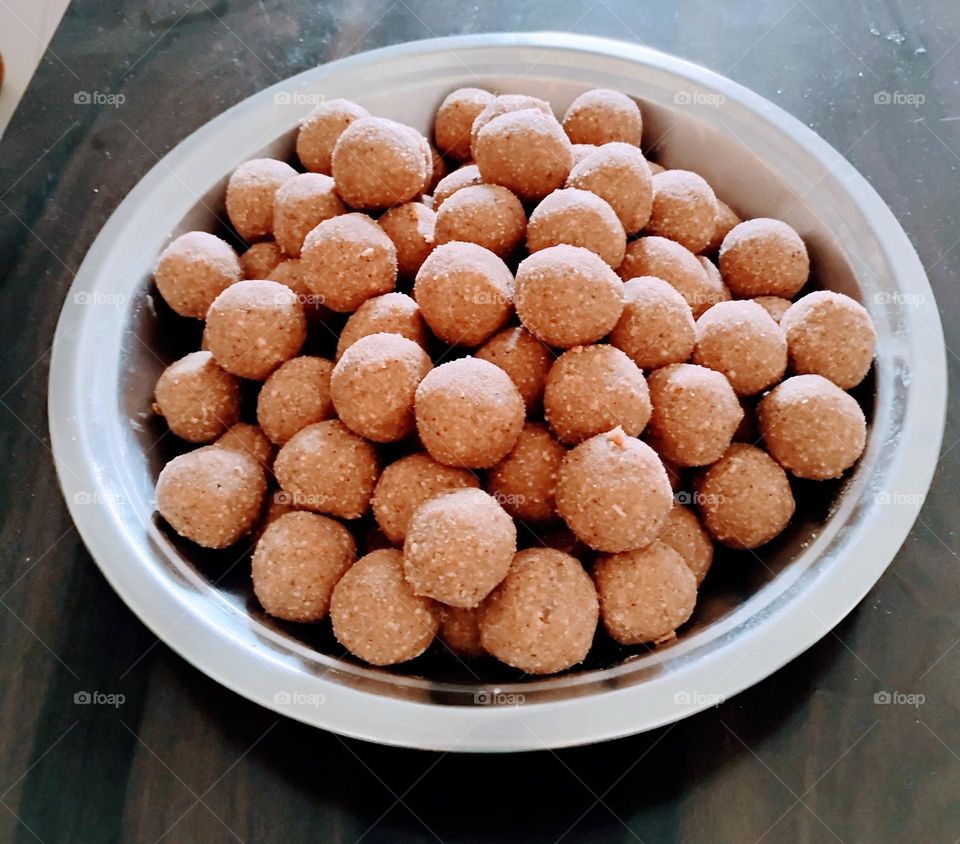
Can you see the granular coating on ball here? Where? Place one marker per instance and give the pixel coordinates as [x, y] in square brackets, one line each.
[617, 173]
[458, 547]
[525, 481]
[592, 389]
[327, 468]
[764, 257]
[296, 564]
[504, 104]
[301, 204]
[193, 270]
[613, 492]
[260, 260]
[211, 496]
[524, 358]
[392, 313]
[462, 177]
[373, 385]
[744, 498]
[543, 617]
[375, 614]
[741, 340]
[469, 413]
[832, 335]
[409, 482]
[685, 535]
[321, 129]
[378, 163]
[726, 219]
[251, 191]
[526, 152]
[488, 215]
[347, 260]
[567, 296]
[776, 306]
[254, 326]
[684, 209]
[579, 218]
[454, 120]
[695, 413]
[602, 116]
[460, 631]
[465, 293]
[411, 227]
[656, 327]
[811, 427]
[676, 265]
[248, 439]
[645, 595]
[197, 398]
[294, 396]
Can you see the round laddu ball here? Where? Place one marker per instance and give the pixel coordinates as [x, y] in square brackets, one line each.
[579, 218]
[744, 498]
[460, 631]
[438, 170]
[488, 215]
[327, 468]
[458, 547]
[320, 130]
[248, 439]
[411, 227]
[695, 413]
[197, 398]
[741, 340]
[296, 564]
[462, 177]
[617, 173]
[254, 326]
[347, 260]
[409, 482]
[251, 191]
[776, 306]
[374, 383]
[504, 104]
[602, 116]
[656, 327]
[832, 335]
[645, 595]
[764, 257]
[685, 535]
[301, 204]
[676, 265]
[454, 119]
[524, 358]
[378, 163]
[289, 273]
[592, 389]
[543, 617]
[726, 219]
[469, 413]
[260, 260]
[193, 270]
[567, 296]
[211, 496]
[465, 293]
[296, 395]
[392, 313]
[376, 615]
[613, 492]
[525, 481]
[684, 209]
[277, 505]
[811, 427]
[526, 152]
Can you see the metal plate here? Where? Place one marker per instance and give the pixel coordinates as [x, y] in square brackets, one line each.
[756, 612]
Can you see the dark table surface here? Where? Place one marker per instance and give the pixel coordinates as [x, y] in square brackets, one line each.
[806, 755]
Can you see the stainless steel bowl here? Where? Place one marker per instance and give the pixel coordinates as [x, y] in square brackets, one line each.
[754, 615]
